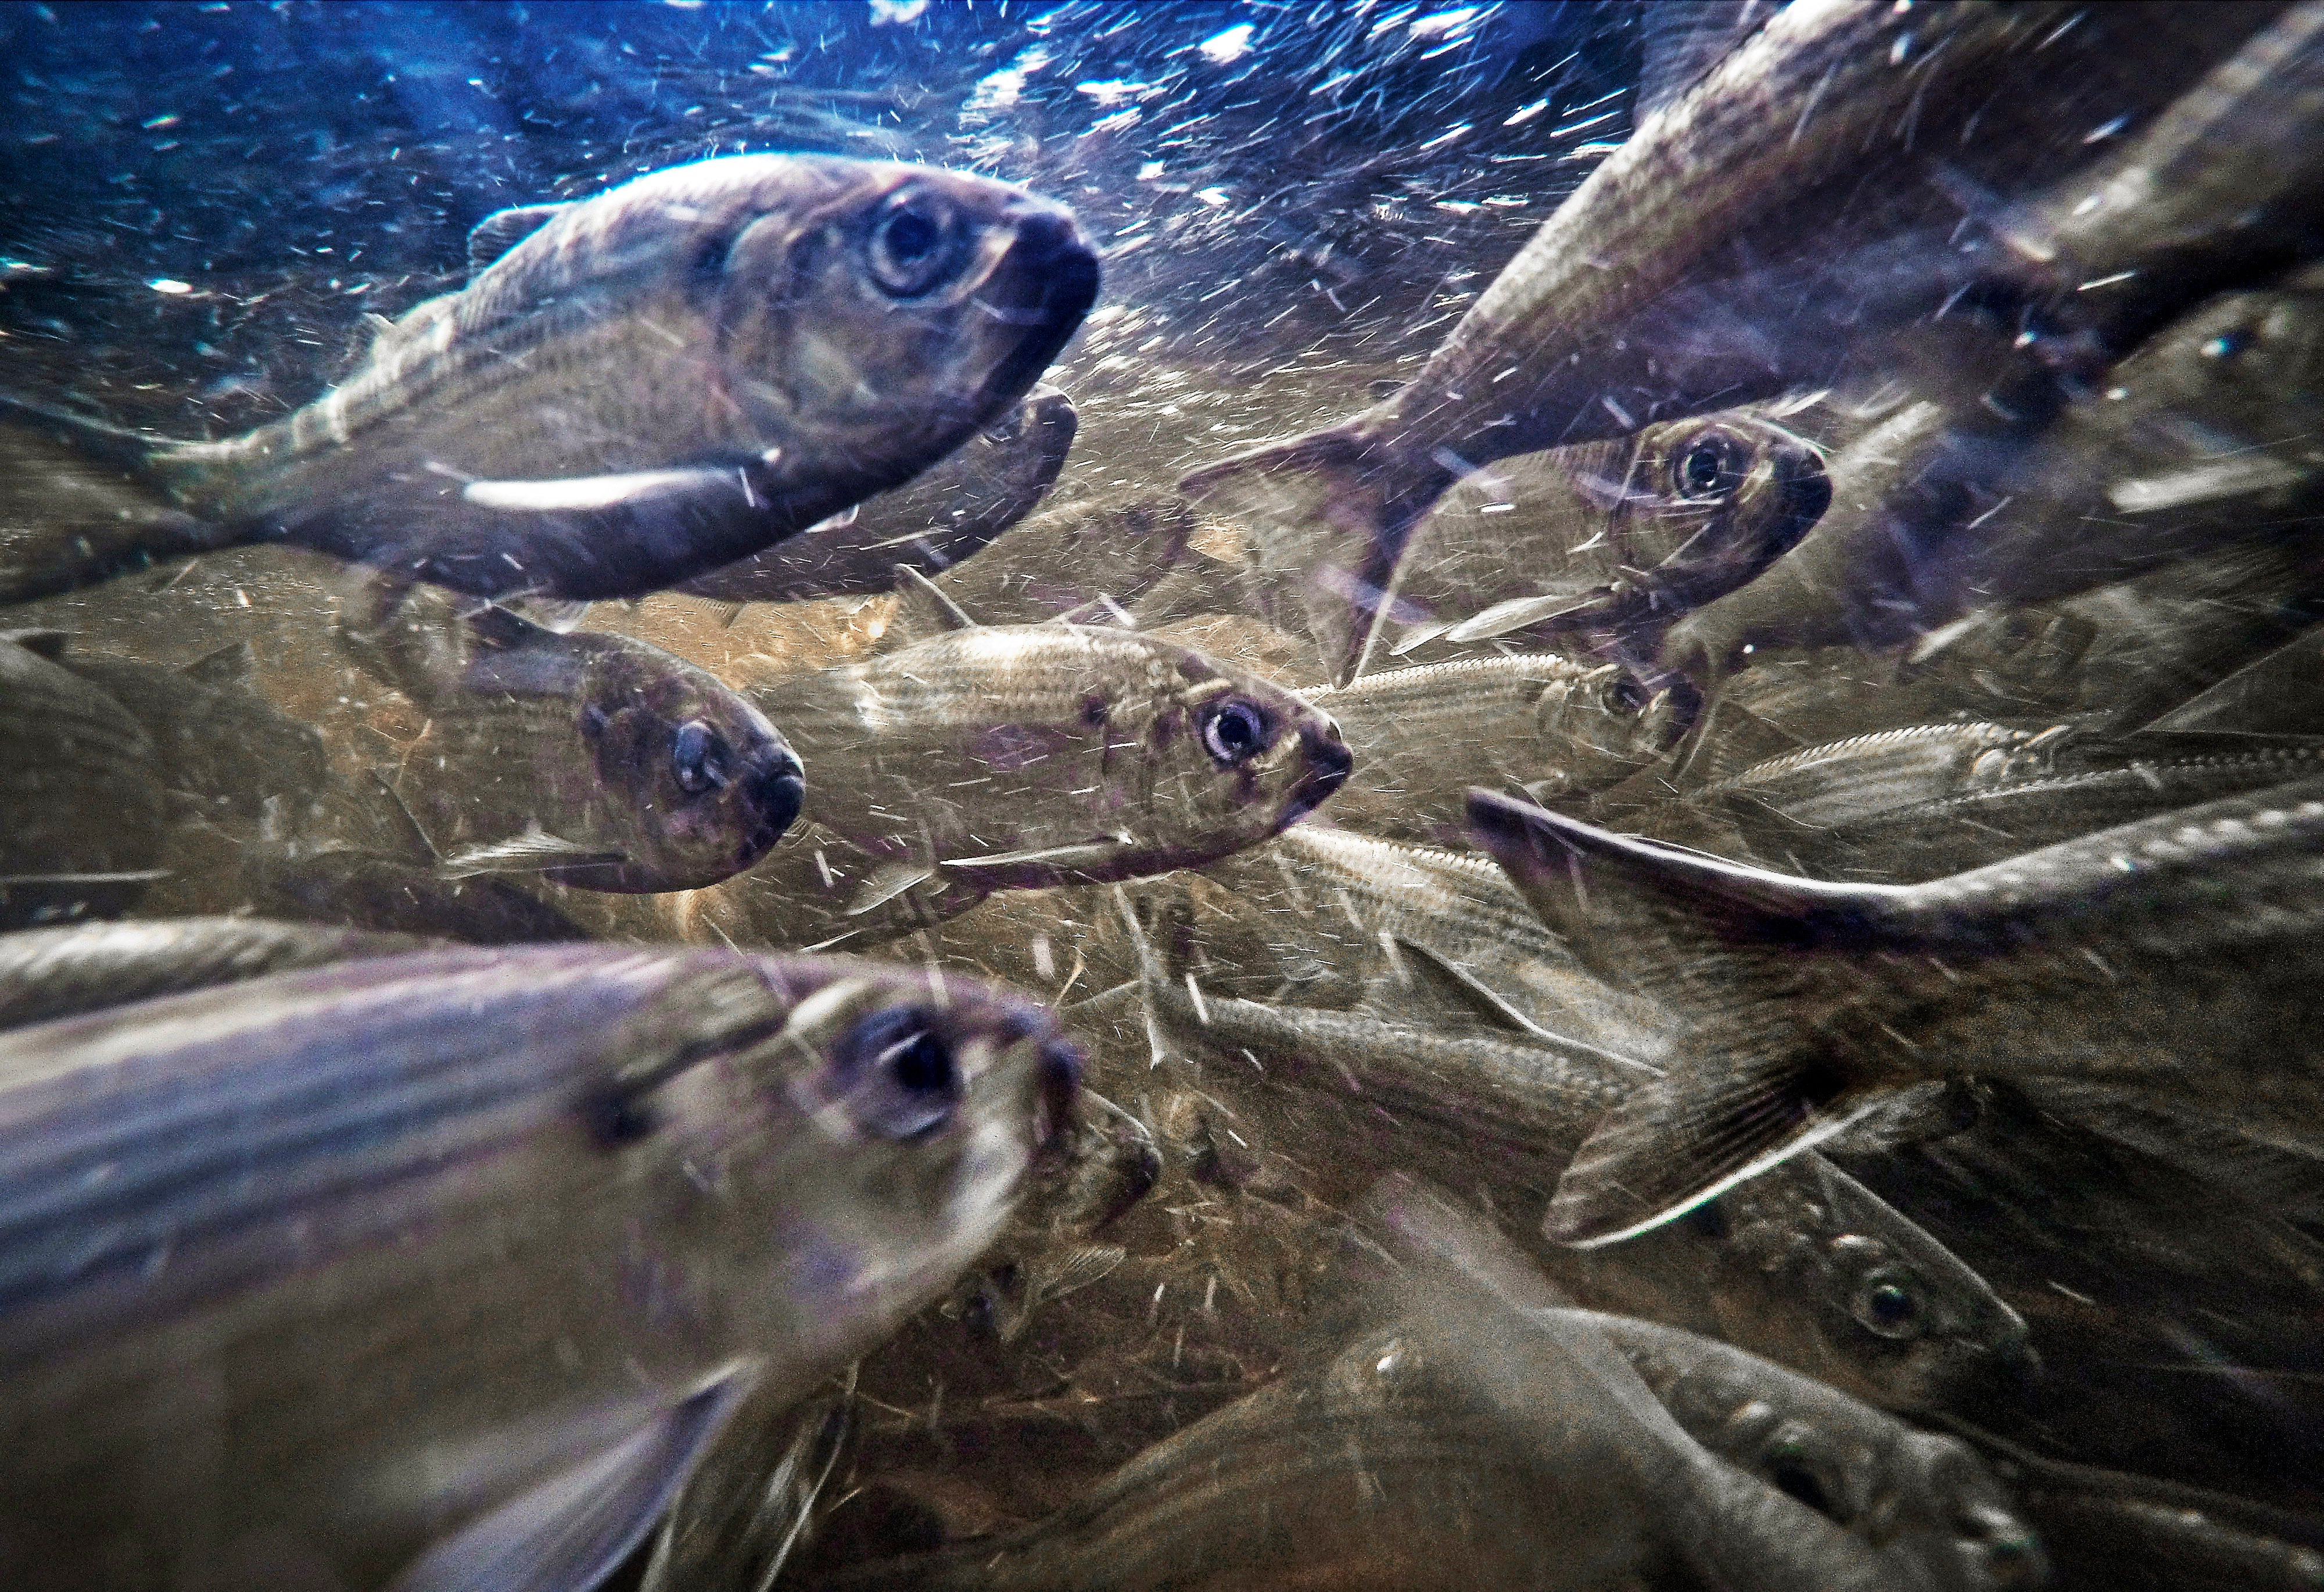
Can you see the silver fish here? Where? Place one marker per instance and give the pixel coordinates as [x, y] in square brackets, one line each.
[513, 1234]
[943, 515]
[1018, 757]
[63, 971]
[80, 795]
[2135, 959]
[1544, 722]
[1068, 561]
[601, 761]
[636, 388]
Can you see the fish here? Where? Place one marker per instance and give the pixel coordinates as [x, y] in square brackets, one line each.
[223, 750]
[1066, 561]
[1919, 803]
[1812, 1271]
[595, 759]
[1447, 1443]
[2273, 694]
[351, 887]
[81, 796]
[1544, 722]
[1609, 543]
[945, 514]
[1018, 757]
[1556, 332]
[2166, 961]
[2190, 443]
[531, 1226]
[1861, 1467]
[74, 968]
[631, 390]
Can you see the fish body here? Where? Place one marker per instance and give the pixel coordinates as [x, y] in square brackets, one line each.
[81, 797]
[598, 761]
[2192, 441]
[2169, 959]
[1936, 799]
[1067, 561]
[640, 387]
[371, 890]
[1611, 542]
[1422, 736]
[75, 968]
[1023, 756]
[225, 751]
[943, 515]
[511, 1233]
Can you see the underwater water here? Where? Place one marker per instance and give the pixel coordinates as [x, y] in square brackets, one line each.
[1637, 684]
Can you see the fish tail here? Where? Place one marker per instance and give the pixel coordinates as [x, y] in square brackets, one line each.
[1333, 509]
[82, 502]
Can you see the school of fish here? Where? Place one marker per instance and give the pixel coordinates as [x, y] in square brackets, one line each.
[1683, 954]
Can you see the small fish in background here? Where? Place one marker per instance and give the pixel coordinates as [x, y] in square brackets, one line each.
[1611, 543]
[1068, 561]
[81, 794]
[2195, 440]
[1562, 350]
[945, 513]
[767, 340]
[514, 1235]
[595, 760]
[84, 967]
[2169, 960]
[1554, 725]
[224, 751]
[1018, 757]
[1906, 806]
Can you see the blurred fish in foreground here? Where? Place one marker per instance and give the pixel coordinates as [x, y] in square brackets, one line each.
[442, 1270]
[82, 791]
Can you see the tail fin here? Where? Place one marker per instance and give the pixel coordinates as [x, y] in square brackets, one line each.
[1336, 510]
[80, 503]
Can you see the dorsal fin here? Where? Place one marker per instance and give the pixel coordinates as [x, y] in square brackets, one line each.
[503, 230]
[496, 626]
[229, 665]
[41, 643]
[928, 610]
[417, 846]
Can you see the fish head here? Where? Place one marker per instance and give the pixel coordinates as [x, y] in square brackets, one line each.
[693, 783]
[1890, 1314]
[1204, 759]
[1727, 492]
[873, 317]
[1606, 721]
[884, 1133]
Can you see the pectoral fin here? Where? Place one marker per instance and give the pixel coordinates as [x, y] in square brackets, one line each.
[888, 883]
[572, 494]
[1518, 612]
[560, 615]
[1082, 856]
[503, 230]
[534, 851]
[569, 1533]
[229, 665]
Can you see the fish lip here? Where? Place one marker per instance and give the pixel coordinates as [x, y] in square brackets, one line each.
[778, 791]
[1050, 253]
[1060, 1075]
[1330, 762]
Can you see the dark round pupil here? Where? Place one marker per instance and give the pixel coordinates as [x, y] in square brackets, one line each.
[1890, 1304]
[1236, 731]
[922, 1063]
[912, 237]
[1704, 469]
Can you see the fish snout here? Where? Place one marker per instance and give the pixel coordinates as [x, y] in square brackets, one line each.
[1058, 1085]
[1329, 763]
[774, 790]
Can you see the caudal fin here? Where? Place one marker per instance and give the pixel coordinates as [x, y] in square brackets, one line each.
[1334, 510]
[79, 504]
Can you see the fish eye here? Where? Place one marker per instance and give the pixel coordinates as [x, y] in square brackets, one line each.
[1711, 466]
[700, 759]
[913, 246]
[899, 1075]
[1887, 1302]
[1234, 731]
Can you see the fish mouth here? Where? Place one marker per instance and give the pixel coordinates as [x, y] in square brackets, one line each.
[1051, 275]
[775, 791]
[1329, 764]
[1060, 1081]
